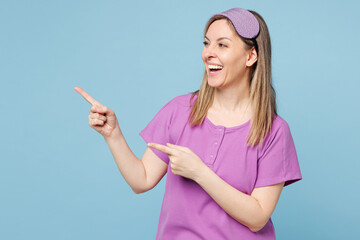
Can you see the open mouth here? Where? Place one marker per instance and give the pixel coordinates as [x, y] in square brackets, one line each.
[215, 68]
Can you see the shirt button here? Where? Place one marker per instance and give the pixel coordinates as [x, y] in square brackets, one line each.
[215, 143]
[220, 129]
[211, 155]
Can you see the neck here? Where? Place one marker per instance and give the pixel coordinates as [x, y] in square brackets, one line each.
[234, 99]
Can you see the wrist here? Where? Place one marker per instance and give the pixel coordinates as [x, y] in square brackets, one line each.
[115, 135]
[201, 173]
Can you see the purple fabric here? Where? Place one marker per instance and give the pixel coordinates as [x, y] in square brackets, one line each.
[188, 212]
[244, 21]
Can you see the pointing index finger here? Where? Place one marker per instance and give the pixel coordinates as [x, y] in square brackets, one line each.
[160, 147]
[87, 96]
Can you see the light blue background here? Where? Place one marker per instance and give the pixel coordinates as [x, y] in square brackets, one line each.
[58, 179]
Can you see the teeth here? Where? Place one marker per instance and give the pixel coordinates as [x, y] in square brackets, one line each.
[215, 67]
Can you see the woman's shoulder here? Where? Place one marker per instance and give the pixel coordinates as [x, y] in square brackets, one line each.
[183, 99]
[279, 132]
[178, 105]
[279, 122]
[279, 129]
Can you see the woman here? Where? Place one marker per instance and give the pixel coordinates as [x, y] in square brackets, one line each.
[226, 152]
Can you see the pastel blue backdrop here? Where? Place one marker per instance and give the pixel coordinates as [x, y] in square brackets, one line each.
[58, 179]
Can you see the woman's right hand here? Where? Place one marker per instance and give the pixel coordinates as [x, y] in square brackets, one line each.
[101, 118]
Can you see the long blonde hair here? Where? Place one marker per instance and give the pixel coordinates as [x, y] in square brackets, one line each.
[262, 93]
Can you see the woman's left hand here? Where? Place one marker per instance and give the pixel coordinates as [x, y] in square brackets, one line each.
[183, 161]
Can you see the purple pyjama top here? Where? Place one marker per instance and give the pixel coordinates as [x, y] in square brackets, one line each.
[188, 212]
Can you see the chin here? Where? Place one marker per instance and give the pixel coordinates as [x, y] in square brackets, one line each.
[214, 83]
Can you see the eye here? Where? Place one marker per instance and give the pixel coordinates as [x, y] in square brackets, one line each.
[205, 43]
[222, 45]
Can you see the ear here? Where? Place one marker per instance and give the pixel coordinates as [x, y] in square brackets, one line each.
[252, 57]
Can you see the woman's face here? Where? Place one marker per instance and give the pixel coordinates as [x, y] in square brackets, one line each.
[224, 55]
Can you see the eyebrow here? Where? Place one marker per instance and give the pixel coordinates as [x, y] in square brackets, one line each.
[219, 38]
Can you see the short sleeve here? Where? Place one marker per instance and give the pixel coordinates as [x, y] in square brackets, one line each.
[279, 162]
[158, 129]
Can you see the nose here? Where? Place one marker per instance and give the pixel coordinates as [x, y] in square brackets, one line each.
[208, 52]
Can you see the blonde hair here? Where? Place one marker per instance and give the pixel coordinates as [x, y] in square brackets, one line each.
[262, 93]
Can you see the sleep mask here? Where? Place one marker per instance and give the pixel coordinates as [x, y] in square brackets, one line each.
[245, 23]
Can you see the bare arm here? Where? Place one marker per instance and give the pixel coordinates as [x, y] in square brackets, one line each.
[252, 210]
[141, 175]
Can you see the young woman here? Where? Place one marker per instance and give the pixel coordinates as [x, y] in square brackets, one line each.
[226, 152]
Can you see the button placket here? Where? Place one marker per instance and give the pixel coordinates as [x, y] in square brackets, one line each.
[215, 145]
